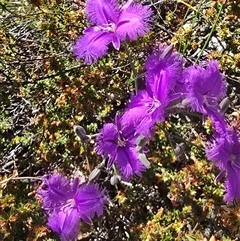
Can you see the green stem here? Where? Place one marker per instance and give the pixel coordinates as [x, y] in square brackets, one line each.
[188, 5]
[114, 169]
[20, 178]
[86, 156]
[194, 21]
[133, 70]
[184, 19]
[170, 136]
[210, 34]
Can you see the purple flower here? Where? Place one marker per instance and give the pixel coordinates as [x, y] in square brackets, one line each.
[112, 25]
[143, 112]
[55, 190]
[164, 69]
[65, 222]
[205, 88]
[219, 124]
[148, 106]
[232, 183]
[89, 201]
[119, 144]
[69, 203]
[224, 152]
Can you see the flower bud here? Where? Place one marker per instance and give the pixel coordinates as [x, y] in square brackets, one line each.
[141, 142]
[180, 149]
[80, 131]
[185, 102]
[166, 52]
[95, 173]
[142, 157]
[115, 180]
[224, 104]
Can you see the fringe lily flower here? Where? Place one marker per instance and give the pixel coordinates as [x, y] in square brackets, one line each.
[68, 203]
[225, 154]
[164, 68]
[118, 143]
[112, 25]
[205, 88]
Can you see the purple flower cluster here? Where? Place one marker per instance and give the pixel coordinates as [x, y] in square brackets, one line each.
[68, 203]
[112, 25]
[168, 85]
[164, 70]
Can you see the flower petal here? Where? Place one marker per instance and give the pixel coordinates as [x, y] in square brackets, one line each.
[134, 21]
[143, 112]
[106, 143]
[92, 46]
[163, 70]
[102, 11]
[205, 87]
[128, 162]
[214, 82]
[55, 190]
[232, 185]
[65, 222]
[90, 200]
[137, 108]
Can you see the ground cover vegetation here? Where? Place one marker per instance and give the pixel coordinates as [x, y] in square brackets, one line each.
[46, 93]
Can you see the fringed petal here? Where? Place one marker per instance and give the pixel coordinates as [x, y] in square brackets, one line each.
[66, 223]
[55, 190]
[137, 108]
[106, 142]
[102, 12]
[143, 112]
[217, 154]
[134, 21]
[90, 201]
[164, 69]
[92, 46]
[232, 185]
[205, 87]
[128, 163]
[214, 82]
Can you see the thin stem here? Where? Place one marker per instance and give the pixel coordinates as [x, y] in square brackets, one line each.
[170, 136]
[210, 34]
[184, 140]
[95, 135]
[88, 165]
[184, 19]
[182, 110]
[114, 169]
[194, 21]
[20, 178]
[133, 70]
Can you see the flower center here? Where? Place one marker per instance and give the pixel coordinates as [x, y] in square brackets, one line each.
[234, 161]
[210, 101]
[110, 27]
[121, 142]
[70, 203]
[154, 105]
